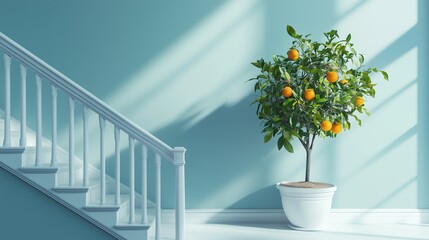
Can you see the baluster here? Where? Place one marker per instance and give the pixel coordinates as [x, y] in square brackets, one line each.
[158, 196]
[39, 119]
[54, 126]
[102, 161]
[179, 162]
[6, 141]
[71, 141]
[23, 138]
[144, 184]
[132, 187]
[118, 166]
[85, 146]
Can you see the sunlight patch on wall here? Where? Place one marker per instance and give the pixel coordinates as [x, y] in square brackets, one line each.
[346, 6]
[379, 158]
[380, 15]
[201, 72]
[387, 159]
[403, 72]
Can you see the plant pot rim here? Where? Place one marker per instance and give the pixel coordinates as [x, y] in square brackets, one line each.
[282, 185]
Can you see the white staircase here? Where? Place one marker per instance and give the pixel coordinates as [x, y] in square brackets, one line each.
[120, 210]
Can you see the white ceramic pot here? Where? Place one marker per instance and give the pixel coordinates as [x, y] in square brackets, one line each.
[306, 208]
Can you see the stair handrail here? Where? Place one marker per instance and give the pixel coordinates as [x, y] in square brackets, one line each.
[77, 92]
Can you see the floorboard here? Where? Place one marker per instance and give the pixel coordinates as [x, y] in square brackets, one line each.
[281, 232]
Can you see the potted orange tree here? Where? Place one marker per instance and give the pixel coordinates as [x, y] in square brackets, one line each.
[314, 91]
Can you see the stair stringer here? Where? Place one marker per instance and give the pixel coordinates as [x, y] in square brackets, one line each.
[13, 160]
[59, 200]
[77, 206]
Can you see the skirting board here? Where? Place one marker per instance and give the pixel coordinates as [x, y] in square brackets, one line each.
[357, 216]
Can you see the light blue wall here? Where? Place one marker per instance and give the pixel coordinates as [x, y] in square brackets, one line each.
[179, 69]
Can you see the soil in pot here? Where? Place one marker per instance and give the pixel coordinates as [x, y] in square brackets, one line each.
[306, 185]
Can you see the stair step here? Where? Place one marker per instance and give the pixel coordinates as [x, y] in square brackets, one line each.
[41, 169]
[12, 156]
[102, 208]
[14, 125]
[79, 184]
[46, 157]
[9, 150]
[138, 216]
[71, 189]
[134, 226]
[15, 131]
[111, 201]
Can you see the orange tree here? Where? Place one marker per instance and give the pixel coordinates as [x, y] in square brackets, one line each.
[313, 91]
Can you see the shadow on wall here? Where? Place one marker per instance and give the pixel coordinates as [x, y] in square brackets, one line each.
[98, 51]
[183, 79]
[229, 163]
[423, 99]
[225, 157]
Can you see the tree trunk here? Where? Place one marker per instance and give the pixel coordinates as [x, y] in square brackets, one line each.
[307, 165]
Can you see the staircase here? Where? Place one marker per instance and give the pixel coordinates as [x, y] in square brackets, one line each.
[70, 178]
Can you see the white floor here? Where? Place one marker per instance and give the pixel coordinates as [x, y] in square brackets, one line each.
[280, 231]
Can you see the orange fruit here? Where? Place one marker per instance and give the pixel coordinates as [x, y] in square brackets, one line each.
[287, 91]
[336, 128]
[293, 54]
[343, 81]
[332, 76]
[326, 125]
[359, 101]
[309, 94]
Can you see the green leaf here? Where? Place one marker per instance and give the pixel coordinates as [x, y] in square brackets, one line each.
[287, 135]
[263, 85]
[385, 75]
[284, 73]
[256, 86]
[291, 31]
[277, 119]
[289, 100]
[316, 123]
[346, 98]
[256, 64]
[266, 67]
[366, 111]
[360, 110]
[275, 58]
[361, 58]
[280, 142]
[322, 100]
[268, 136]
[262, 76]
[267, 129]
[295, 134]
[346, 125]
[288, 146]
[357, 120]
[349, 37]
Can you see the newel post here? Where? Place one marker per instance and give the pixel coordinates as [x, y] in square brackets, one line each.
[179, 162]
